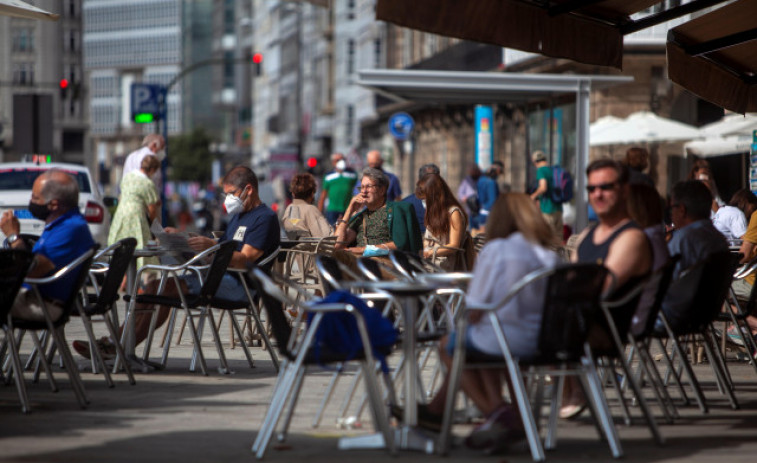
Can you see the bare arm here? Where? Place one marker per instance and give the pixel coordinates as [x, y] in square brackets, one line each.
[322, 200]
[746, 249]
[540, 190]
[456, 236]
[629, 256]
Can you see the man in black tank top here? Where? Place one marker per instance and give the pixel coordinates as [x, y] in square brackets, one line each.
[616, 242]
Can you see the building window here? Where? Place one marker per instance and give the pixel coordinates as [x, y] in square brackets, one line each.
[23, 73]
[350, 9]
[377, 49]
[350, 122]
[350, 56]
[23, 39]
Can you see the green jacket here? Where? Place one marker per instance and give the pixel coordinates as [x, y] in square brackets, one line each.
[406, 233]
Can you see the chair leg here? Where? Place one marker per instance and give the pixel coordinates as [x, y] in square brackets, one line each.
[325, 400]
[719, 373]
[97, 358]
[119, 348]
[596, 397]
[18, 373]
[196, 340]
[670, 369]
[649, 368]
[278, 401]
[235, 326]
[684, 361]
[70, 365]
[264, 336]
[292, 404]
[44, 361]
[636, 388]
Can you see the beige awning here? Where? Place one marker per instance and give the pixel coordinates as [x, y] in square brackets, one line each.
[715, 56]
[19, 9]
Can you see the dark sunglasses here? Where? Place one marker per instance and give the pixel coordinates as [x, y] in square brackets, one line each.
[601, 186]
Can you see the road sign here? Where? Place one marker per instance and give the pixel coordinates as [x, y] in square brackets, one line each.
[145, 102]
[401, 125]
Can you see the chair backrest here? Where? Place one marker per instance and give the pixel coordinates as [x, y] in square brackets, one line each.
[656, 287]
[407, 264]
[708, 282]
[330, 272]
[217, 268]
[84, 262]
[123, 251]
[571, 303]
[14, 263]
[370, 268]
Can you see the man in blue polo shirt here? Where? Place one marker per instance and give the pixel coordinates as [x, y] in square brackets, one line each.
[55, 200]
[374, 160]
[253, 226]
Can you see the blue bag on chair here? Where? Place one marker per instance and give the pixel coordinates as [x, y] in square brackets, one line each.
[338, 331]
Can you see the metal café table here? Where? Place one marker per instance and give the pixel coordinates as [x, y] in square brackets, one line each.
[131, 277]
[407, 435]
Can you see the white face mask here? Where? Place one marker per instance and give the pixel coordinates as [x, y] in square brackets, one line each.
[341, 165]
[233, 204]
[423, 201]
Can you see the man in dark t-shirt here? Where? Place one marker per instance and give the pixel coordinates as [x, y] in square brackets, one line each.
[253, 226]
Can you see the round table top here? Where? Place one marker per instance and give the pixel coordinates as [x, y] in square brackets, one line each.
[398, 288]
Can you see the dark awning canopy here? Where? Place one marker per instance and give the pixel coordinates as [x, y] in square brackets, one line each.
[708, 55]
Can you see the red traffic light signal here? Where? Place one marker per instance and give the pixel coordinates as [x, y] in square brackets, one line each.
[312, 162]
[257, 58]
[63, 83]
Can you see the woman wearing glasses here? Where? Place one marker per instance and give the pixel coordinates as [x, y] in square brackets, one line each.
[372, 221]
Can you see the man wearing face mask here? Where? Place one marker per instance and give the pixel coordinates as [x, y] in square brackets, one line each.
[337, 188]
[55, 198]
[253, 226]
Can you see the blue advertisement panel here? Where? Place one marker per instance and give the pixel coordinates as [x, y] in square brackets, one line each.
[484, 126]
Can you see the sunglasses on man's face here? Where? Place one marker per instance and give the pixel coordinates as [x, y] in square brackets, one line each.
[601, 186]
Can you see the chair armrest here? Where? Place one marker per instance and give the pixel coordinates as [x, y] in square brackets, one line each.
[61, 272]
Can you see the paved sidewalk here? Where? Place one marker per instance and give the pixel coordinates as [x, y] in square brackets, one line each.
[179, 416]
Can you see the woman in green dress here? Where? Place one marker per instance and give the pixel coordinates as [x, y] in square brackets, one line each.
[138, 206]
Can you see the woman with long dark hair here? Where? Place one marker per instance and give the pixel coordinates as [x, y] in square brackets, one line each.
[446, 223]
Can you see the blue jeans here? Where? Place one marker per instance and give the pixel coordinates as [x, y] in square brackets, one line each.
[333, 216]
[230, 288]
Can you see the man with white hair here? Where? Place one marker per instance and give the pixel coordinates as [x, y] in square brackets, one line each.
[152, 144]
[374, 159]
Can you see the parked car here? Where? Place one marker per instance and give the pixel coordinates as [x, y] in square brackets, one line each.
[16, 180]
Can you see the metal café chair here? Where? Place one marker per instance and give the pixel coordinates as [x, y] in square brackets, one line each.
[103, 302]
[221, 256]
[710, 280]
[296, 348]
[572, 299]
[77, 270]
[14, 264]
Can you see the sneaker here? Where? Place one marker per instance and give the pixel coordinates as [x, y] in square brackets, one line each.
[501, 428]
[426, 418]
[733, 336]
[106, 348]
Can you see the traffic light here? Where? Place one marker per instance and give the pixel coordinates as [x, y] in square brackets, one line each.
[257, 59]
[63, 85]
[312, 162]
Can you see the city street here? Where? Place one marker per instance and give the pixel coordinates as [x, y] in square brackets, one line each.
[178, 416]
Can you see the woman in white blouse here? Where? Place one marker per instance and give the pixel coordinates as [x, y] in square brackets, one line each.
[518, 242]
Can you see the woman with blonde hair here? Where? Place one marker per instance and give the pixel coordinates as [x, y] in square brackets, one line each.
[445, 221]
[518, 243]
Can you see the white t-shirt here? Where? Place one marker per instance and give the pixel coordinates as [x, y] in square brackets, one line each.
[500, 264]
[134, 162]
[730, 221]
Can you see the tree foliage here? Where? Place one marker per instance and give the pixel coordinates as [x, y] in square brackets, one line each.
[190, 157]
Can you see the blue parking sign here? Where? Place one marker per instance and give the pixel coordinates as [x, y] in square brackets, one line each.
[145, 99]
